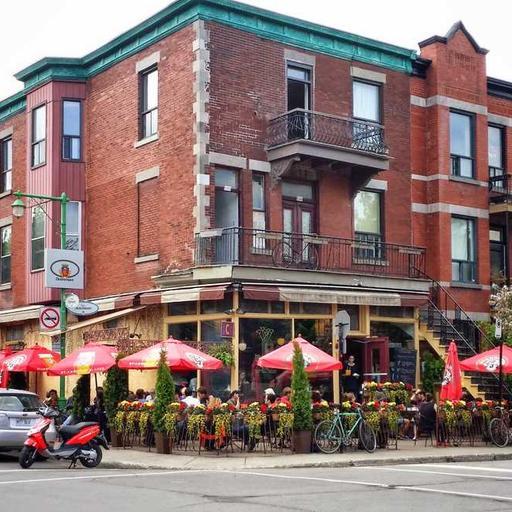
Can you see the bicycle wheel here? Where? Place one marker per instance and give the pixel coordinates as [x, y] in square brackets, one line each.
[283, 255]
[498, 431]
[312, 259]
[367, 437]
[327, 436]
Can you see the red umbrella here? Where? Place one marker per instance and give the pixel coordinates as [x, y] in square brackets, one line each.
[31, 359]
[489, 361]
[91, 358]
[4, 374]
[315, 360]
[452, 380]
[179, 356]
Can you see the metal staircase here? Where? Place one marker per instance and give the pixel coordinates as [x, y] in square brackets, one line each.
[445, 320]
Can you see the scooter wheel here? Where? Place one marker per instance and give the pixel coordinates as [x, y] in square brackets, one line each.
[27, 457]
[92, 463]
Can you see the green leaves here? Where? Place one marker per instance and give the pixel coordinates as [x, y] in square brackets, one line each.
[165, 393]
[301, 392]
[116, 390]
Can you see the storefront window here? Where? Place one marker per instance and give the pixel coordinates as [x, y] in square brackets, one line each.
[400, 335]
[182, 308]
[308, 308]
[353, 313]
[392, 311]
[261, 306]
[259, 337]
[183, 332]
[217, 306]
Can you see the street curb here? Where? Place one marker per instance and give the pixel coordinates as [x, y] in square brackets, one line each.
[212, 466]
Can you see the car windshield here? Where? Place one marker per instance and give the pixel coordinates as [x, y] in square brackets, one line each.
[19, 403]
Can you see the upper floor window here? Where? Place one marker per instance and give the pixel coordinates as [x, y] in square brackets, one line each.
[463, 250]
[368, 224]
[5, 254]
[73, 226]
[495, 151]
[39, 136]
[258, 208]
[71, 130]
[149, 103]
[226, 198]
[5, 165]
[366, 101]
[461, 144]
[37, 238]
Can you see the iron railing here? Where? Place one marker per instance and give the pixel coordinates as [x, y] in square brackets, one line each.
[243, 246]
[499, 184]
[299, 124]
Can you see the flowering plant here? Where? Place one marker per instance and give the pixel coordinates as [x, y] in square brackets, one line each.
[196, 421]
[254, 416]
[281, 407]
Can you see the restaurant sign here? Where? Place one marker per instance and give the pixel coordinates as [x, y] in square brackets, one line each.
[63, 269]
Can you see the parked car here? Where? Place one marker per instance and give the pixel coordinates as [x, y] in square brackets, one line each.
[18, 412]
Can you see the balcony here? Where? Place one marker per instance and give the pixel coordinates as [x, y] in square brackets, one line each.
[500, 191]
[275, 249]
[326, 140]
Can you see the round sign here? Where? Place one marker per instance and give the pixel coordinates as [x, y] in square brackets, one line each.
[49, 318]
[72, 300]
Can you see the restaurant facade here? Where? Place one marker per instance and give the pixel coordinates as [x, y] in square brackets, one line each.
[239, 177]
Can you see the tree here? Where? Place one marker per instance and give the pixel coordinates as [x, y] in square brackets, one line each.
[165, 393]
[501, 304]
[116, 390]
[301, 392]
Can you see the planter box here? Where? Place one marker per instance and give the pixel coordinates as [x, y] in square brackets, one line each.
[302, 441]
[162, 443]
[116, 439]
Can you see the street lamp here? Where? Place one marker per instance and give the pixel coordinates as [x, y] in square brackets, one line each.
[18, 209]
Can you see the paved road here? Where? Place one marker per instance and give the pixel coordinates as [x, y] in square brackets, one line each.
[49, 486]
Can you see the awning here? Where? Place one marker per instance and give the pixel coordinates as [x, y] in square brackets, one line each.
[183, 294]
[114, 302]
[339, 297]
[19, 314]
[261, 292]
[93, 321]
[414, 301]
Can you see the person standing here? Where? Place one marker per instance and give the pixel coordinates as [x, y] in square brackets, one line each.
[351, 377]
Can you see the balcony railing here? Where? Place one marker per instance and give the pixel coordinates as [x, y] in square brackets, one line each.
[346, 133]
[499, 183]
[253, 247]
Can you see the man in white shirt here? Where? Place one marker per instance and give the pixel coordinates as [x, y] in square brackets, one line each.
[189, 400]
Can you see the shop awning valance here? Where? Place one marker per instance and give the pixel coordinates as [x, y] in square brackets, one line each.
[358, 298]
[19, 314]
[183, 294]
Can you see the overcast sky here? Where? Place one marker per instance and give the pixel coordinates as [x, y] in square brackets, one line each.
[32, 29]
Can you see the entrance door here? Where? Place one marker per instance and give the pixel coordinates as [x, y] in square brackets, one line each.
[376, 359]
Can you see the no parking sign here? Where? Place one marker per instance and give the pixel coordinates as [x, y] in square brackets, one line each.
[49, 318]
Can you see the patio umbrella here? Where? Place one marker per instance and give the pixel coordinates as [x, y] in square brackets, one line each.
[451, 388]
[179, 356]
[31, 359]
[4, 373]
[315, 360]
[489, 361]
[91, 358]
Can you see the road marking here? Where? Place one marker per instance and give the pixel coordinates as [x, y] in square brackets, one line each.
[447, 473]
[384, 486]
[477, 468]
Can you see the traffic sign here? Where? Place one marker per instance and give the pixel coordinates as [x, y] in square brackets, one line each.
[49, 318]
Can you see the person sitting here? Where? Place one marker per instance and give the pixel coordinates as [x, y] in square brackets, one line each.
[427, 416]
[316, 397]
[188, 399]
[467, 396]
[202, 395]
[140, 396]
[234, 399]
[286, 396]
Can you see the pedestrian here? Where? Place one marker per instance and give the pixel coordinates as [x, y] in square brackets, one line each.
[351, 377]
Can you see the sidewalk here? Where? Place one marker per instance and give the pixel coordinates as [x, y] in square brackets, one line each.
[406, 454]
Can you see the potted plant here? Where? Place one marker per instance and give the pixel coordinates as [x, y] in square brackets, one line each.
[116, 390]
[165, 395]
[301, 403]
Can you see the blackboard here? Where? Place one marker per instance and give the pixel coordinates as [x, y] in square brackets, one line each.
[405, 365]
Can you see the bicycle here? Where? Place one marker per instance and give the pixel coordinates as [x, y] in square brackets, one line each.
[500, 430]
[296, 253]
[331, 434]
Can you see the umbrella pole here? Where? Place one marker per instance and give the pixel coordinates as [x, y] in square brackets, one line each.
[501, 373]
[96, 383]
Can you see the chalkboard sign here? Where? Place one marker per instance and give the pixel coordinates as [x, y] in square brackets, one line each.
[405, 366]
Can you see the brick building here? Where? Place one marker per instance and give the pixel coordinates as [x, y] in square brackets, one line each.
[229, 164]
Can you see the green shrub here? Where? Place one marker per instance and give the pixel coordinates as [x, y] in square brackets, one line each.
[116, 390]
[301, 392]
[165, 393]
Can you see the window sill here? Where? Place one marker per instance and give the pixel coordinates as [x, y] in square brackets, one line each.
[5, 194]
[145, 141]
[37, 270]
[5, 286]
[468, 181]
[471, 286]
[37, 166]
[144, 259]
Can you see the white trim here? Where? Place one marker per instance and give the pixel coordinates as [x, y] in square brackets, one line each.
[148, 174]
[203, 179]
[366, 74]
[497, 119]
[144, 259]
[6, 221]
[147, 140]
[469, 181]
[445, 101]
[436, 177]
[19, 314]
[5, 286]
[147, 62]
[430, 177]
[239, 162]
[6, 132]
[299, 57]
[377, 184]
[259, 165]
[450, 208]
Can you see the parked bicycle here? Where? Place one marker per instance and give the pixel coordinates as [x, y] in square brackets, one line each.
[297, 253]
[330, 435]
[500, 430]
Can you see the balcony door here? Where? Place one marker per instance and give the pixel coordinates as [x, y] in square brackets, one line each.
[299, 97]
[227, 215]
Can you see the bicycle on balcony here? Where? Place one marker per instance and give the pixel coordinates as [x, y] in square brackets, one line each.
[296, 252]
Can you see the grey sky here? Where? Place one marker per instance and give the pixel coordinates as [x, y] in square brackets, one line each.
[32, 29]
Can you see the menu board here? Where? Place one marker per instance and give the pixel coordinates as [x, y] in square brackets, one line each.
[405, 366]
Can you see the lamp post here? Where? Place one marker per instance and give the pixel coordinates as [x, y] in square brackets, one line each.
[18, 209]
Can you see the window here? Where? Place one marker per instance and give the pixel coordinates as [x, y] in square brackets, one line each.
[39, 136]
[5, 165]
[368, 225]
[73, 226]
[38, 227]
[149, 103]
[463, 250]
[496, 156]
[71, 129]
[15, 333]
[366, 101]
[461, 144]
[5, 254]
[258, 209]
[299, 99]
